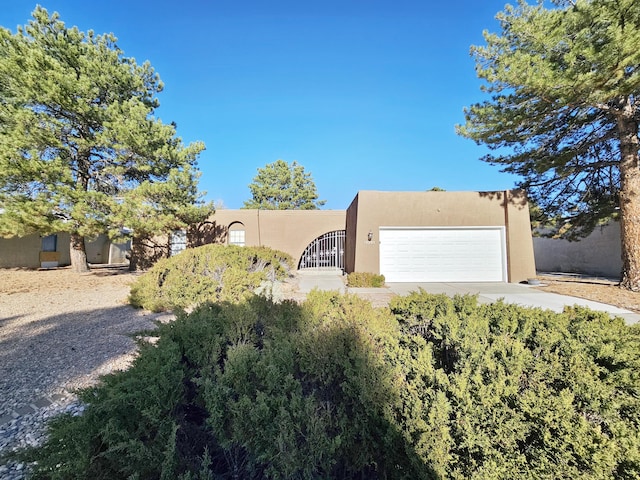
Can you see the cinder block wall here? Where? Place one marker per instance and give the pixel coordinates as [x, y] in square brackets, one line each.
[598, 254]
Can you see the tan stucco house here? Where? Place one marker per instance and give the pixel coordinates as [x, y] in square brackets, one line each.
[406, 236]
[431, 236]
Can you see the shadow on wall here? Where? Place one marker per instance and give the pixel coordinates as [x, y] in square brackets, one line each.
[205, 233]
[600, 253]
[516, 197]
[147, 251]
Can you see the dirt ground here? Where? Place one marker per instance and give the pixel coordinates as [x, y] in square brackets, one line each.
[596, 289]
[55, 280]
[23, 281]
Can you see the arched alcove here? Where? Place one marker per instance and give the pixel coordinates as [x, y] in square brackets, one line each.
[326, 251]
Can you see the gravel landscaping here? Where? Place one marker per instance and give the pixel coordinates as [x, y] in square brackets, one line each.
[59, 331]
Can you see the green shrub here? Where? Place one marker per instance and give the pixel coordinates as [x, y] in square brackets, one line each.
[523, 393]
[432, 387]
[365, 279]
[208, 273]
[248, 390]
[131, 421]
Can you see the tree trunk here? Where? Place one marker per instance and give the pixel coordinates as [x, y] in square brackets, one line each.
[78, 251]
[78, 254]
[629, 197]
[137, 253]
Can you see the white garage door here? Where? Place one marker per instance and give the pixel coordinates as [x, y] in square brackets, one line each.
[441, 254]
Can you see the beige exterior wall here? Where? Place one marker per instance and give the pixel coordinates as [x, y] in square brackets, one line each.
[20, 251]
[25, 252]
[290, 231]
[520, 253]
[293, 230]
[97, 249]
[119, 252]
[101, 250]
[371, 210]
[350, 239]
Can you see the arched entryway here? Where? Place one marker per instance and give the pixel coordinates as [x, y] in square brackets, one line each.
[326, 251]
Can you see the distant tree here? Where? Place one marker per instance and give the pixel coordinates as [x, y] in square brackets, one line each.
[219, 204]
[564, 113]
[436, 189]
[80, 149]
[283, 186]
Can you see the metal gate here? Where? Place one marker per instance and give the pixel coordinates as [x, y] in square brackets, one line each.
[326, 251]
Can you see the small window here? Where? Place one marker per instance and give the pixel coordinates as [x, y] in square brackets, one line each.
[178, 241]
[236, 237]
[50, 243]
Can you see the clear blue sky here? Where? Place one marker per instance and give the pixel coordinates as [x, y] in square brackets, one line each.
[364, 94]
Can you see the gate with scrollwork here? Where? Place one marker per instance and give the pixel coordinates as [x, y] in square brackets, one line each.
[326, 251]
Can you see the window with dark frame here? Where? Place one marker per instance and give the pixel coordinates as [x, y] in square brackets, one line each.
[50, 243]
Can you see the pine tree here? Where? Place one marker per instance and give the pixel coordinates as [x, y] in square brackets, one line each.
[80, 148]
[563, 113]
[283, 186]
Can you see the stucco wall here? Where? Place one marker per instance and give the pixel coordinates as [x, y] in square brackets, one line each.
[24, 252]
[376, 209]
[119, 252]
[97, 249]
[20, 252]
[598, 254]
[290, 231]
[520, 252]
[293, 230]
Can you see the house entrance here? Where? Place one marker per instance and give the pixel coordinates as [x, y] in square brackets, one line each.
[326, 251]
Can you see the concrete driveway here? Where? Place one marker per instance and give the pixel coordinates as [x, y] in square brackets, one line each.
[488, 292]
[329, 280]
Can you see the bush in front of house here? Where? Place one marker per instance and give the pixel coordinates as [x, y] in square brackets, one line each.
[208, 273]
[365, 279]
[510, 392]
[334, 388]
[249, 390]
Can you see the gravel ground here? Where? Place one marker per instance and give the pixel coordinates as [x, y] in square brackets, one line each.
[59, 331]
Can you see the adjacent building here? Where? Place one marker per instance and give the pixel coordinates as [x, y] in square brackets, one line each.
[50, 251]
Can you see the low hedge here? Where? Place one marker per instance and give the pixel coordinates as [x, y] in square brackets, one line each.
[430, 388]
[208, 273]
[365, 279]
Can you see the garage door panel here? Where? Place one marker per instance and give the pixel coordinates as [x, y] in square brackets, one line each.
[443, 254]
